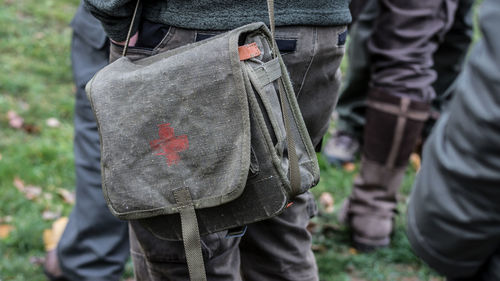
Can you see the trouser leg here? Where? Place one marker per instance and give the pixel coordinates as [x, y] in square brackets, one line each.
[401, 47]
[449, 59]
[94, 245]
[351, 105]
[451, 53]
[156, 259]
[280, 248]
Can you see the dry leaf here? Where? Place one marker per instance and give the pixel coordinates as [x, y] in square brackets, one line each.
[0, 156]
[15, 121]
[415, 161]
[353, 251]
[19, 184]
[31, 129]
[68, 196]
[349, 167]
[50, 215]
[47, 196]
[53, 122]
[5, 229]
[32, 192]
[52, 236]
[326, 201]
[318, 248]
[37, 260]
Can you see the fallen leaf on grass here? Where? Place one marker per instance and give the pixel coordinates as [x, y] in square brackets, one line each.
[31, 129]
[47, 196]
[50, 215]
[53, 122]
[415, 161]
[353, 251]
[349, 167]
[15, 121]
[67, 196]
[19, 184]
[37, 260]
[30, 192]
[318, 248]
[5, 229]
[0, 156]
[326, 201]
[52, 235]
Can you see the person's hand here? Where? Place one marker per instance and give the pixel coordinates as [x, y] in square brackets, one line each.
[131, 43]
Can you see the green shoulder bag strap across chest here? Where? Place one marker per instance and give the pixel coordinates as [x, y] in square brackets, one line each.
[189, 223]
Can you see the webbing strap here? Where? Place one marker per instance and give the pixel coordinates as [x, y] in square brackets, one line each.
[190, 235]
[267, 72]
[293, 160]
[417, 115]
[125, 48]
[290, 142]
[270, 11]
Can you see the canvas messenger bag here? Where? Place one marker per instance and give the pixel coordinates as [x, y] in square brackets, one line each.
[203, 138]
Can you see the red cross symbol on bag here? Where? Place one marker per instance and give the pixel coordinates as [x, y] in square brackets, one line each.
[168, 144]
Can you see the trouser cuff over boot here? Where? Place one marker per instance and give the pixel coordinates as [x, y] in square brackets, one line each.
[393, 125]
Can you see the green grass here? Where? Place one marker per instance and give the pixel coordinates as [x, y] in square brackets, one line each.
[36, 82]
[335, 257]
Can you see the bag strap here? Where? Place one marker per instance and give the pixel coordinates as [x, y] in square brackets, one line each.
[129, 33]
[293, 167]
[190, 235]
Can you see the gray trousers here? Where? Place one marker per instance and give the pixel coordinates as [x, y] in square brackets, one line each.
[372, 65]
[278, 248]
[94, 245]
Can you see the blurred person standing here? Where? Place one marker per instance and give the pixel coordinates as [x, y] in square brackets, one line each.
[393, 80]
[454, 208]
[448, 60]
[94, 245]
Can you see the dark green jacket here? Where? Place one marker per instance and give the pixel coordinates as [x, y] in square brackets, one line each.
[454, 211]
[116, 15]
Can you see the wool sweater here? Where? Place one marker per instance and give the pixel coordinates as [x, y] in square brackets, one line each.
[116, 15]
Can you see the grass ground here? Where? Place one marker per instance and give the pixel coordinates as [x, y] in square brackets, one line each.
[36, 160]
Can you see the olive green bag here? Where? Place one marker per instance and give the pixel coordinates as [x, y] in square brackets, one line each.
[203, 138]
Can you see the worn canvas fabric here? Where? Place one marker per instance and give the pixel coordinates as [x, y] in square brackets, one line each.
[200, 119]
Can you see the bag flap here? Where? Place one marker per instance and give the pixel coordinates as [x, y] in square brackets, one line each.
[177, 119]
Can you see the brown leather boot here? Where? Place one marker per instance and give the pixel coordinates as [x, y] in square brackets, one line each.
[393, 125]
